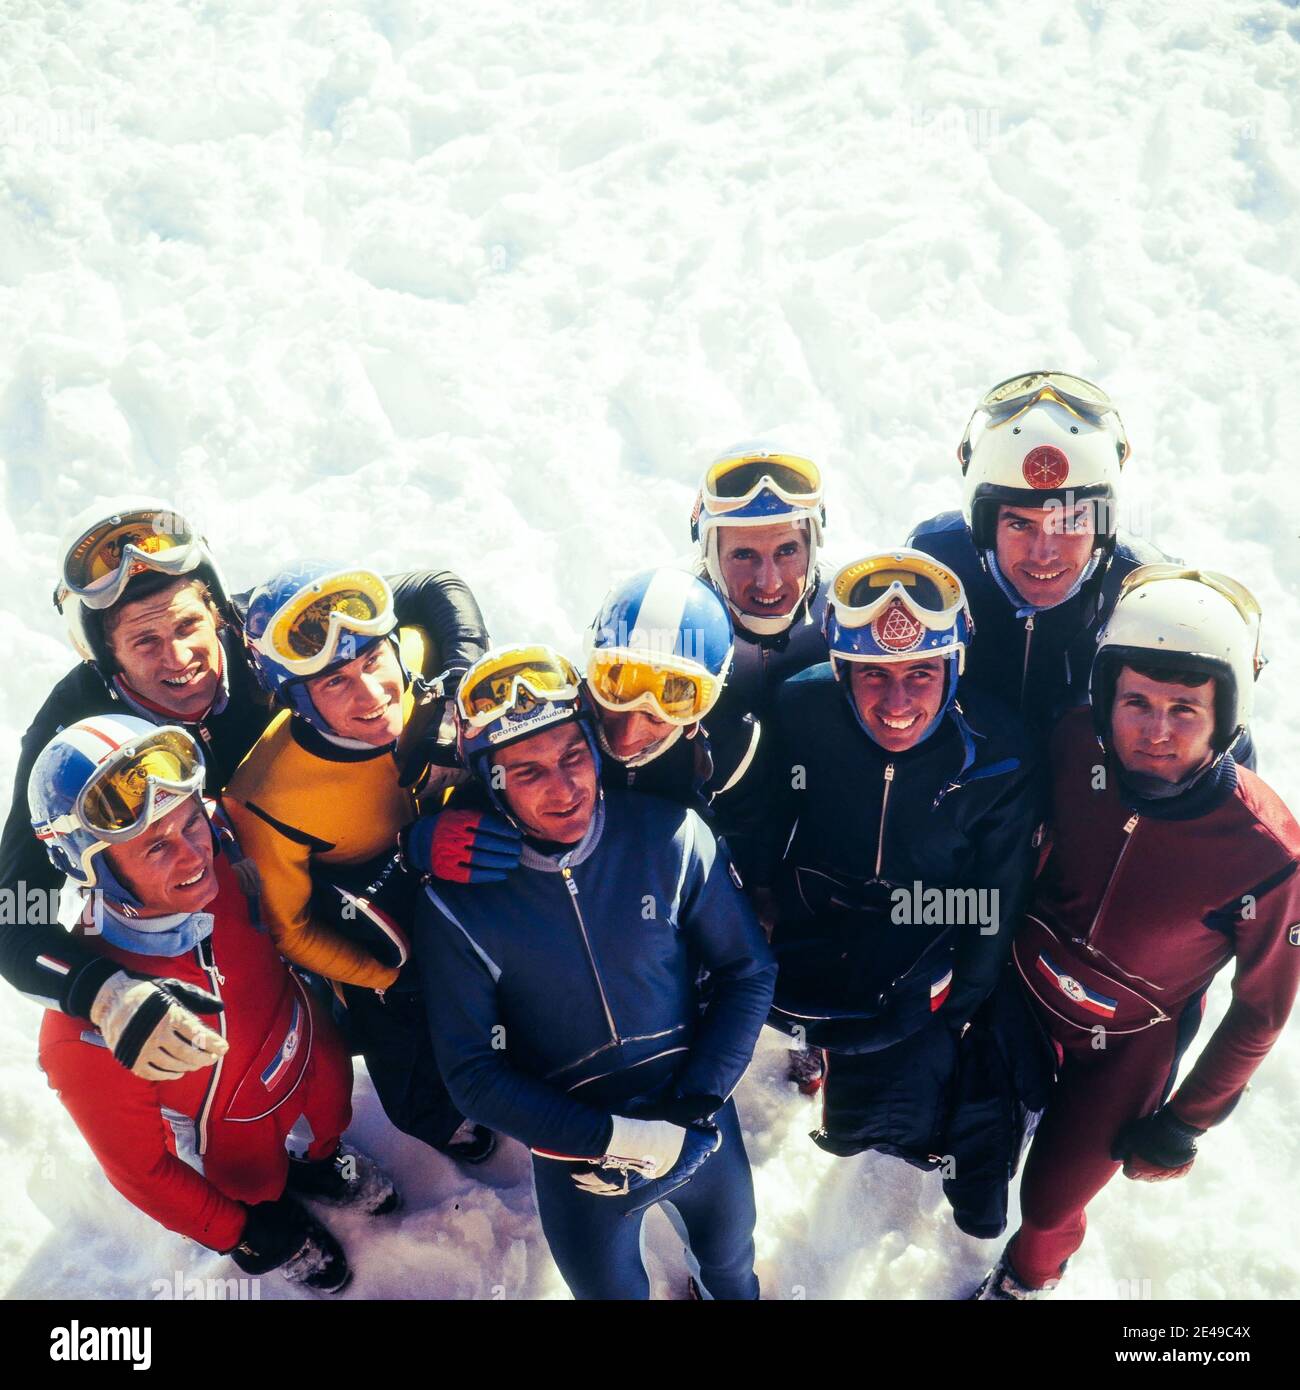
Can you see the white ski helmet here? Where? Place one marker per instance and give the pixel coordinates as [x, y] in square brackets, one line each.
[108, 545]
[1040, 438]
[758, 483]
[1177, 619]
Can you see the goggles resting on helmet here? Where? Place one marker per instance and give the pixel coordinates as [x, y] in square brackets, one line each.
[514, 681]
[101, 562]
[140, 783]
[303, 634]
[1012, 397]
[733, 483]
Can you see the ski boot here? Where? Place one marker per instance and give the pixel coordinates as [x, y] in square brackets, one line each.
[346, 1178]
[807, 1069]
[1002, 1285]
[471, 1143]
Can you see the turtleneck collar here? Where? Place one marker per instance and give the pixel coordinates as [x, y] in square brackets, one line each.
[534, 856]
[1197, 796]
[170, 935]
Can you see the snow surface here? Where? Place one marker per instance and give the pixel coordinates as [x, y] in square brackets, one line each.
[482, 286]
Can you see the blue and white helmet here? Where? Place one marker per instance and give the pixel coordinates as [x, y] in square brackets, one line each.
[80, 759]
[673, 629]
[897, 606]
[311, 618]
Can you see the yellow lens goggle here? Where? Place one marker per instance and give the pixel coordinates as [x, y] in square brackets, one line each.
[303, 634]
[99, 566]
[731, 483]
[623, 681]
[929, 591]
[514, 680]
[144, 781]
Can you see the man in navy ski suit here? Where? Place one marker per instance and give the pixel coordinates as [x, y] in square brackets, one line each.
[565, 998]
[900, 852]
[1037, 547]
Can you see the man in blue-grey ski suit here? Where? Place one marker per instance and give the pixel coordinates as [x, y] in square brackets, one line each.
[567, 1011]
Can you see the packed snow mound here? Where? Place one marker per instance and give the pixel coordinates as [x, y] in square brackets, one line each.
[486, 286]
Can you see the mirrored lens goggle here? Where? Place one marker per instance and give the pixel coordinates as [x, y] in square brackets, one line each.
[141, 783]
[864, 588]
[1010, 398]
[623, 681]
[99, 566]
[731, 483]
[303, 635]
[514, 680]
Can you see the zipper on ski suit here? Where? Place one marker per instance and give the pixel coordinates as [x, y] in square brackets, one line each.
[206, 958]
[884, 806]
[572, 886]
[1024, 670]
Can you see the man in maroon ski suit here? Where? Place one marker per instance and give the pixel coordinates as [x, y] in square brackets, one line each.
[1167, 860]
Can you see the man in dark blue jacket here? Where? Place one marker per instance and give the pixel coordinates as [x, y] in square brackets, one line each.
[1037, 546]
[565, 1000]
[900, 853]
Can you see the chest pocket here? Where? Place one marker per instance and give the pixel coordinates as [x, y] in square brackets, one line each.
[279, 1063]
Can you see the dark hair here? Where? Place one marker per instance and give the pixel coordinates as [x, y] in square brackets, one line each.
[1169, 675]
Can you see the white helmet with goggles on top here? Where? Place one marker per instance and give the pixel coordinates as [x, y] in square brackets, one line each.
[759, 484]
[1040, 439]
[1175, 619]
[126, 548]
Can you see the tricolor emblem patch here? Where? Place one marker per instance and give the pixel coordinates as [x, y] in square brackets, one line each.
[288, 1048]
[1076, 990]
[939, 989]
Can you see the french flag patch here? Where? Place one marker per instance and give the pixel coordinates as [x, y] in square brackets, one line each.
[287, 1049]
[1076, 990]
[939, 989]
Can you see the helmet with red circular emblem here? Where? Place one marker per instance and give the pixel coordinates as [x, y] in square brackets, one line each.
[1043, 439]
[897, 606]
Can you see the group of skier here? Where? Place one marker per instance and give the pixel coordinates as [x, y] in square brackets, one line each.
[973, 821]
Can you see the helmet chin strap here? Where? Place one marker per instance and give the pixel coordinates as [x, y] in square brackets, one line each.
[752, 622]
[647, 754]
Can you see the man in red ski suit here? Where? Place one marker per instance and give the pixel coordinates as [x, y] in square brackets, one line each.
[1167, 861]
[203, 1153]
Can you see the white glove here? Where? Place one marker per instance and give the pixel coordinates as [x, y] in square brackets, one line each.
[151, 1028]
[649, 1148]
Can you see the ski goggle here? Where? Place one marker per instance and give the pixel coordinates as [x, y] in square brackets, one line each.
[303, 634]
[103, 561]
[732, 483]
[136, 786]
[1012, 397]
[929, 592]
[515, 680]
[1246, 604]
[624, 681]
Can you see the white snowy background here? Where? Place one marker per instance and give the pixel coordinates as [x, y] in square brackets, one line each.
[484, 286]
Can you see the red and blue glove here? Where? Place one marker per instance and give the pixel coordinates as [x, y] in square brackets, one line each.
[463, 846]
